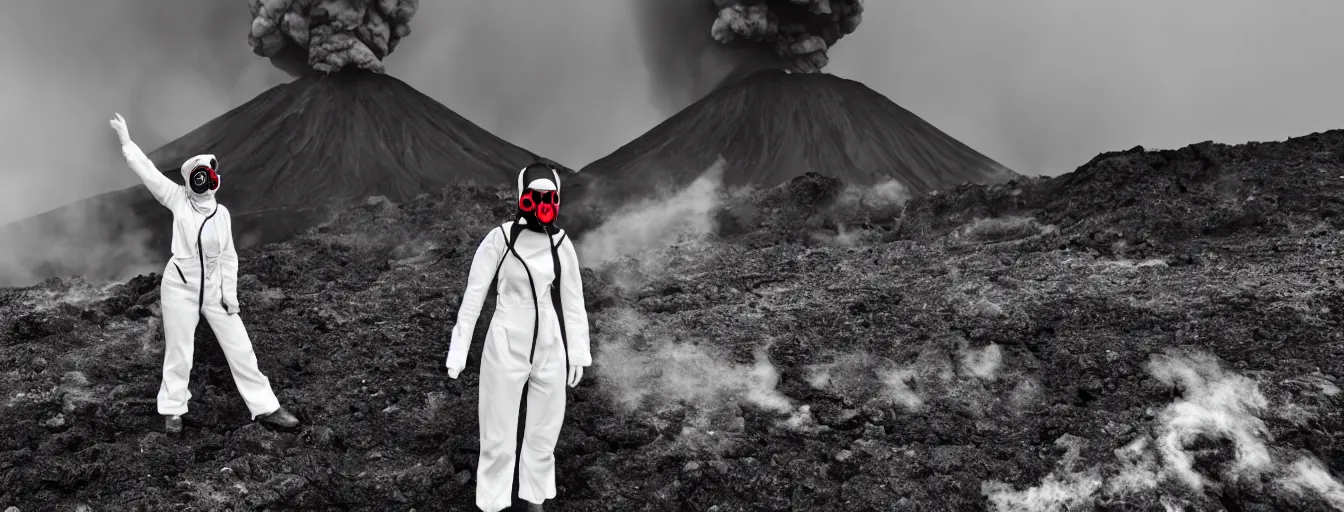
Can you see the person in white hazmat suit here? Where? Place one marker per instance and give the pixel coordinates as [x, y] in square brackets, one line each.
[201, 279]
[537, 342]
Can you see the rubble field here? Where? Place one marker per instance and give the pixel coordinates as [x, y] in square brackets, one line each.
[1158, 330]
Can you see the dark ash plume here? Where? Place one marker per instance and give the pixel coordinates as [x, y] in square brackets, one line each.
[334, 34]
[693, 47]
[801, 31]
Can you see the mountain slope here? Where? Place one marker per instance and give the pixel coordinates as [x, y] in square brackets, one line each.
[352, 134]
[283, 156]
[772, 126]
[1033, 345]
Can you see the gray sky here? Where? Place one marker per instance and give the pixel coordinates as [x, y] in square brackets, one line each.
[1039, 85]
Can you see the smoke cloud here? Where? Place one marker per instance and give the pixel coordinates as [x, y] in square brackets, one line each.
[1215, 404]
[887, 194]
[800, 30]
[644, 366]
[692, 47]
[331, 34]
[168, 67]
[107, 240]
[934, 378]
[1308, 477]
[1069, 491]
[637, 236]
[862, 205]
[982, 363]
[648, 362]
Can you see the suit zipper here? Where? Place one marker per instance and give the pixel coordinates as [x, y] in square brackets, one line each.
[200, 257]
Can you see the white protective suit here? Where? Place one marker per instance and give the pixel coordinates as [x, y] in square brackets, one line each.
[513, 358]
[201, 279]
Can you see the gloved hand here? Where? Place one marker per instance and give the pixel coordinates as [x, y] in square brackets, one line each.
[231, 306]
[575, 373]
[453, 371]
[119, 125]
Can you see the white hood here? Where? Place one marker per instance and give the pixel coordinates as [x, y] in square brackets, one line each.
[203, 202]
[537, 184]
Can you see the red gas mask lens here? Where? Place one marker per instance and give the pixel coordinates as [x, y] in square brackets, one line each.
[545, 204]
[532, 199]
[546, 213]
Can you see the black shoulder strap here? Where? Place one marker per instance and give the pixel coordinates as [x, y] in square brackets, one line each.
[556, 301]
[516, 230]
[512, 236]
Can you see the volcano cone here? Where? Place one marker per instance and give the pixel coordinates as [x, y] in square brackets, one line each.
[773, 126]
[283, 156]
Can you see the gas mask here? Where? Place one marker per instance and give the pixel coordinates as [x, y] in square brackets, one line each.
[541, 206]
[539, 195]
[201, 174]
[204, 179]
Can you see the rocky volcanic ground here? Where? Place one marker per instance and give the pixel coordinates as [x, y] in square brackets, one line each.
[1155, 331]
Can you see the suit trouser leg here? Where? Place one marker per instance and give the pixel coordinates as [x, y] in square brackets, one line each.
[504, 372]
[180, 316]
[545, 415]
[237, 346]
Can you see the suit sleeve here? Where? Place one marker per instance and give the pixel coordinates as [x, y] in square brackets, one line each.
[473, 299]
[229, 261]
[163, 189]
[576, 314]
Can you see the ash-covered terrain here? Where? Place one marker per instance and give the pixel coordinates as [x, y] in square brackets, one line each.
[1158, 330]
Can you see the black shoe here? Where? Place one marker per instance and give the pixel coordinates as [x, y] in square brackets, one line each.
[172, 424]
[280, 419]
[534, 507]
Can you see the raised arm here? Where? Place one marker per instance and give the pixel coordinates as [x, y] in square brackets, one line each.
[163, 189]
[229, 262]
[482, 273]
[576, 314]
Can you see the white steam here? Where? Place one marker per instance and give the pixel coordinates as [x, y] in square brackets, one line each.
[75, 292]
[105, 239]
[642, 364]
[857, 204]
[912, 386]
[1215, 404]
[982, 363]
[645, 363]
[850, 374]
[640, 231]
[932, 376]
[1309, 477]
[887, 194]
[1055, 493]
[1066, 489]
[898, 388]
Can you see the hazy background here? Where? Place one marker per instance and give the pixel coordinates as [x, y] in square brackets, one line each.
[1039, 85]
